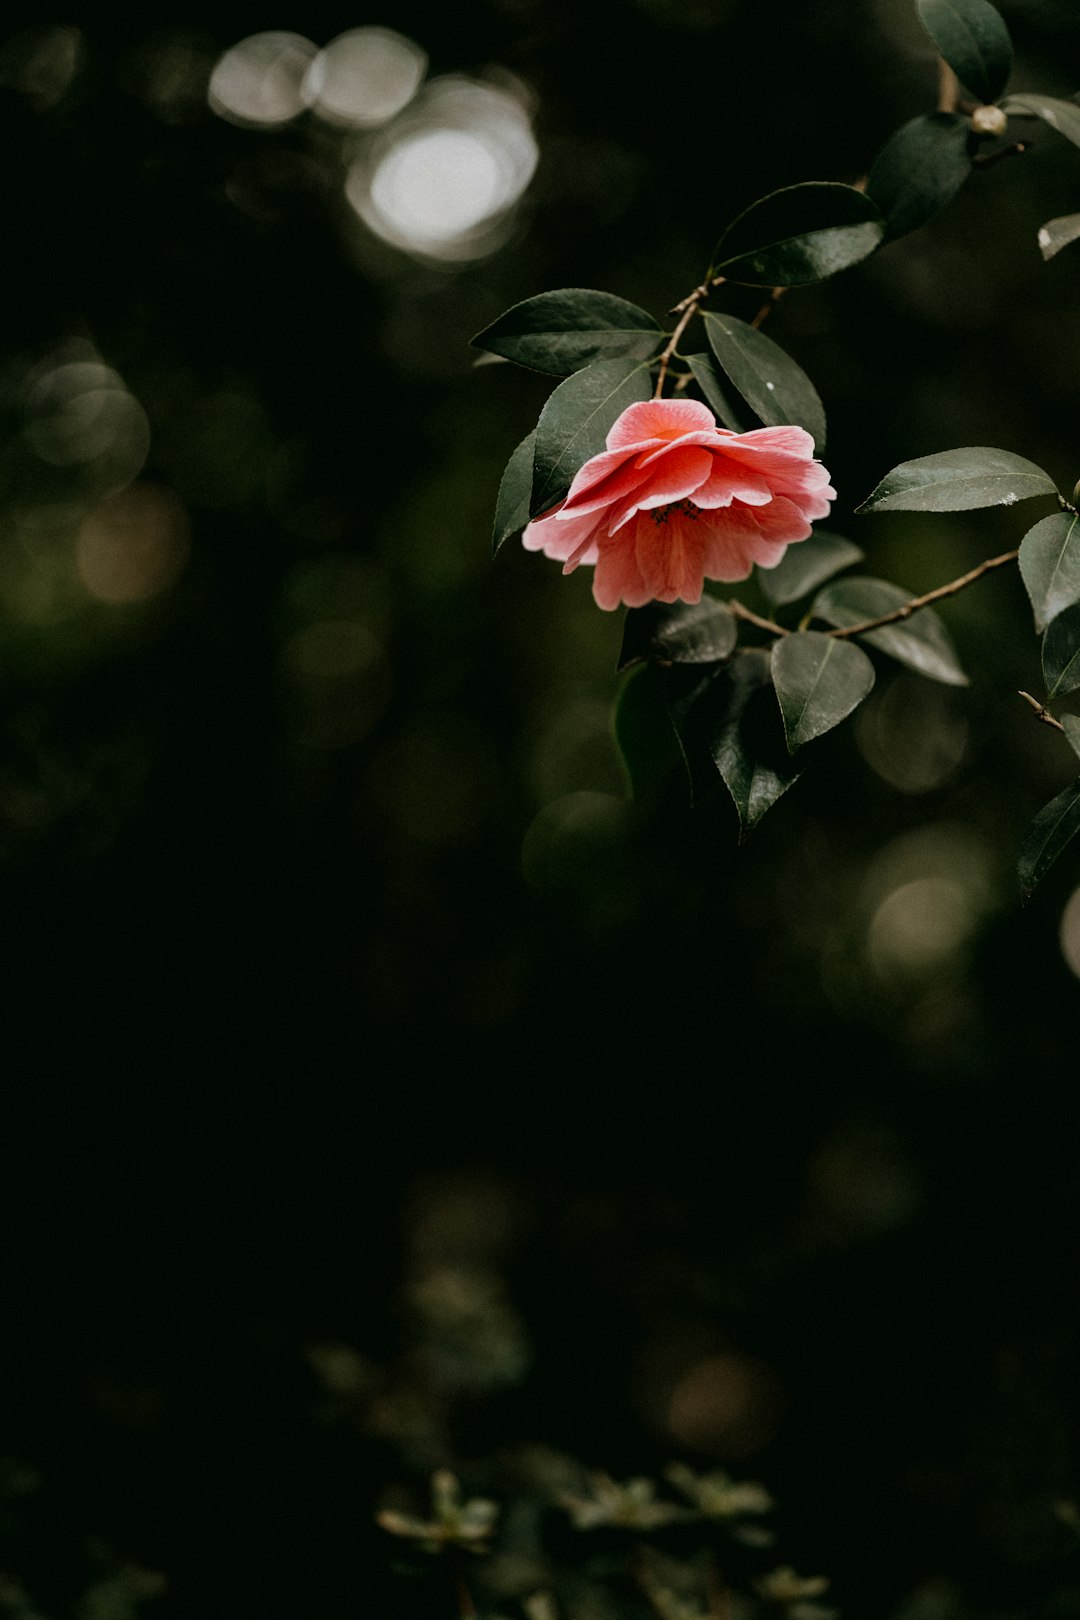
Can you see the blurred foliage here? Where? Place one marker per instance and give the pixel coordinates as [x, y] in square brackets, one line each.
[384, 1091]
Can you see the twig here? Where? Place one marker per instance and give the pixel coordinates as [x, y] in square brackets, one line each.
[718, 1593]
[948, 87]
[1041, 712]
[746, 613]
[686, 309]
[908, 608]
[767, 308]
[466, 1607]
[1017, 149]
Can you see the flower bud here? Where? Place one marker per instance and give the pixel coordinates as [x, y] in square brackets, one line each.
[989, 121]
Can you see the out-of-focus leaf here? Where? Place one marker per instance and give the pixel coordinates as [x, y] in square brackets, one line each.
[700, 633]
[774, 387]
[1064, 116]
[1058, 233]
[919, 170]
[644, 731]
[562, 331]
[515, 486]
[972, 37]
[805, 565]
[921, 641]
[799, 234]
[957, 481]
[1071, 724]
[819, 680]
[574, 423]
[1061, 653]
[1056, 824]
[722, 400]
[1050, 565]
[740, 725]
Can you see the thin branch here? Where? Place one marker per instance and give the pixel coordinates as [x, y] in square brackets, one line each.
[908, 608]
[767, 308]
[751, 617]
[686, 309]
[1041, 712]
[1017, 149]
[948, 87]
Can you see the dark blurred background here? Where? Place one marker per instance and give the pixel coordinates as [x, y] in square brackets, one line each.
[381, 1087]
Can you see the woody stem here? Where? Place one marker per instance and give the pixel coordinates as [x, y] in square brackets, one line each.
[908, 608]
[686, 309]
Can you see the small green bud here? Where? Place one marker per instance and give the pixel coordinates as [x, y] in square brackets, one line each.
[989, 121]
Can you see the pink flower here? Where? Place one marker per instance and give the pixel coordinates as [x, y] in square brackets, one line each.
[675, 500]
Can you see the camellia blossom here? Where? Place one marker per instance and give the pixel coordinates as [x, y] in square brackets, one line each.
[675, 500]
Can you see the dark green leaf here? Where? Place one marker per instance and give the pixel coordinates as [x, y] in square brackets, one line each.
[1061, 653]
[726, 404]
[772, 384]
[819, 681]
[644, 731]
[1064, 116]
[806, 565]
[799, 234]
[562, 331]
[1055, 825]
[1058, 233]
[921, 641]
[740, 725]
[919, 170]
[1071, 723]
[700, 633]
[574, 423]
[1050, 565]
[957, 481]
[972, 37]
[512, 503]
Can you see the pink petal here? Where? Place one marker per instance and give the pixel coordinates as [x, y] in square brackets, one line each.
[671, 555]
[559, 539]
[618, 577]
[729, 482]
[674, 476]
[659, 419]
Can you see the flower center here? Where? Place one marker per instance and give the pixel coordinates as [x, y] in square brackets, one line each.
[660, 514]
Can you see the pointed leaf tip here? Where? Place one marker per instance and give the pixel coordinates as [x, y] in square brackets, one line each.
[959, 481]
[819, 681]
[560, 332]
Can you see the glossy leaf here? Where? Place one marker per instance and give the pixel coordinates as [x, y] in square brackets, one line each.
[729, 409]
[919, 170]
[972, 37]
[1061, 653]
[683, 633]
[742, 731]
[575, 422]
[1050, 565]
[644, 731]
[774, 387]
[515, 487]
[800, 234]
[1056, 824]
[1064, 116]
[805, 565]
[819, 680]
[1058, 233]
[562, 331]
[958, 481]
[921, 641]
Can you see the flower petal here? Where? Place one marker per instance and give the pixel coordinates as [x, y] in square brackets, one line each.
[560, 539]
[659, 419]
[618, 577]
[670, 550]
